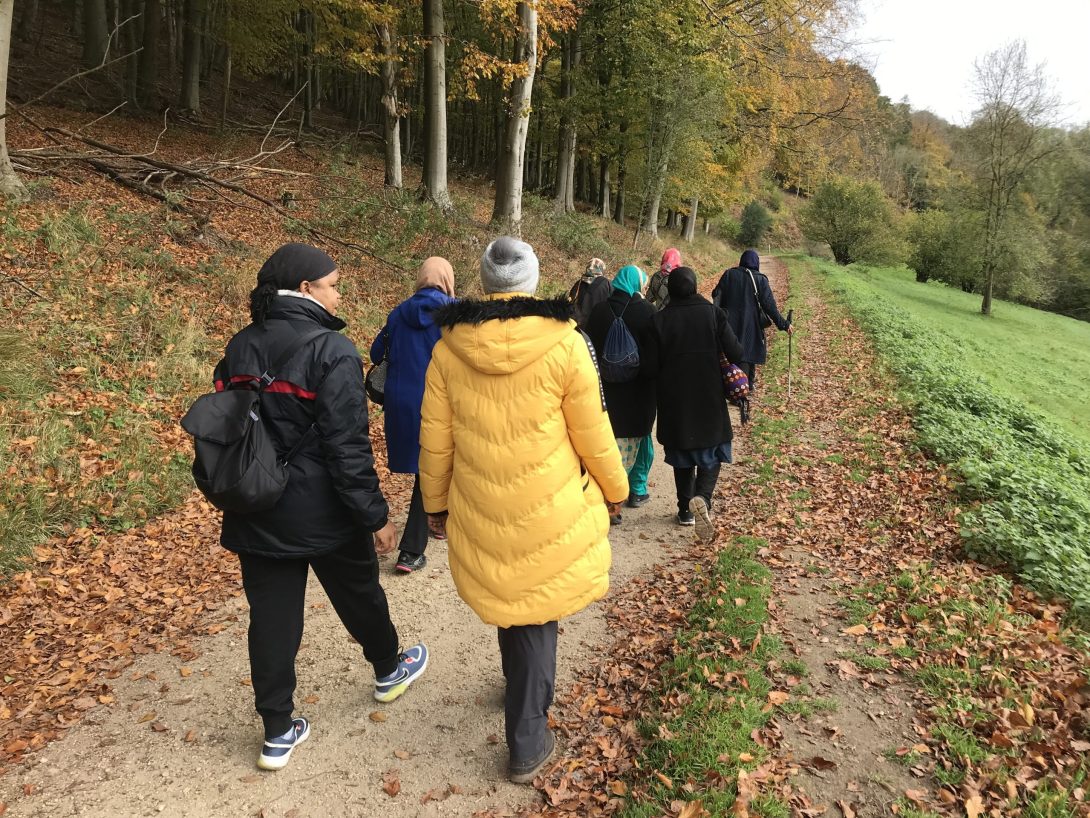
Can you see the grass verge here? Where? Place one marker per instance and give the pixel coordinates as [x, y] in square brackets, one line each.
[1026, 481]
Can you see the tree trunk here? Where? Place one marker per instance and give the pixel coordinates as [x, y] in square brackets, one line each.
[391, 121]
[433, 184]
[707, 226]
[191, 57]
[603, 186]
[96, 34]
[147, 75]
[10, 185]
[618, 204]
[564, 189]
[508, 208]
[690, 220]
[226, 87]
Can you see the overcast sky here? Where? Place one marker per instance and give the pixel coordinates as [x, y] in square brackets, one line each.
[924, 49]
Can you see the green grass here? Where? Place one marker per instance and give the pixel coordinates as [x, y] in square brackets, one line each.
[1001, 401]
[1030, 357]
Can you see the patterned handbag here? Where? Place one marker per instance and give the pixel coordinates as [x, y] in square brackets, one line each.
[735, 381]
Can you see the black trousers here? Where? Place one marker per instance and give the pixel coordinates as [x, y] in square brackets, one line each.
[528, 655]
[750, 369]
[693, 482]
[275, 590]
[414, 539]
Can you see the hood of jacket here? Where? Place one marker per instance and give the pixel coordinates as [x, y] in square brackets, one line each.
[291, 308]
[418, 311]
[504, 332]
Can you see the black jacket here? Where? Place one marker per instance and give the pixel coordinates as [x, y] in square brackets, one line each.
[734, 295]
[683, 353]
[333, 497]
[586, 295]
[631, 405]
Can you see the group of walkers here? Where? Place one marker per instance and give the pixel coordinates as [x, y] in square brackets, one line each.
[522, 455]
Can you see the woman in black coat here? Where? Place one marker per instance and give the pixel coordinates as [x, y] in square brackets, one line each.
[631, 404]
[332, 516]
[743, 293]
[682, 352]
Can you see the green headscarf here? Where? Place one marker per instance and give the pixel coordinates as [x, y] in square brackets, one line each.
[630, 279]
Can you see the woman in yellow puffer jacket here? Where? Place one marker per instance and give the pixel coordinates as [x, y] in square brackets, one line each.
[520, 469]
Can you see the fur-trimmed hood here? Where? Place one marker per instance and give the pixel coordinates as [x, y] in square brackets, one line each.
[502, 334]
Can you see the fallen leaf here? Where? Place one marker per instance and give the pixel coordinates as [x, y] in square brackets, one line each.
[185, 672]
[822, 763]
[378, 715]
[190, 736]
[667, 782]
[778, 697]
[144, 719]
[618, 787]
[253, 778]
[404, 755]
[974, 806]
[159, 727]
[391, 782]
[855, 630]
[493, 739]
[846, 809]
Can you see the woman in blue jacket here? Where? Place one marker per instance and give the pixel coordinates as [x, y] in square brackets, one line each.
[406, 342]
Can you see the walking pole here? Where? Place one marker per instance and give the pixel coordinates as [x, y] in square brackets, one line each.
[790, 338]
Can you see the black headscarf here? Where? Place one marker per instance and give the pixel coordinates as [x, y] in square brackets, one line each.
[681, 283]
[286, 269]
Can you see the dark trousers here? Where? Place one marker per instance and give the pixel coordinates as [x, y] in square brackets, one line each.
[528, 655]
[693, 482]
[414, 539]
[750, 369]
[275, 590]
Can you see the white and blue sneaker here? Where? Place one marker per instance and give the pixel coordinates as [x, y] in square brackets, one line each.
[276, 751]
[410, 666]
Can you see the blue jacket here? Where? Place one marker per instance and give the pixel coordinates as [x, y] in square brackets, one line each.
[734, 295]
[412, 333]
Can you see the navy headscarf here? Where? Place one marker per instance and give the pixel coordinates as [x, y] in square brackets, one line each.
[750, 260]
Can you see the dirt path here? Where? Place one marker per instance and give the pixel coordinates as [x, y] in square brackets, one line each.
[181, 738]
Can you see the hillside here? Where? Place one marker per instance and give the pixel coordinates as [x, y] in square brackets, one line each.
[125, 304]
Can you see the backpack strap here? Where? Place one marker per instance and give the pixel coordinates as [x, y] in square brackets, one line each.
[267, 378]
[296, 344]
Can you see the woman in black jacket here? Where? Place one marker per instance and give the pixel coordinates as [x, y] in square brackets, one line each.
[682, 352]
[332, 516]
[631, 404]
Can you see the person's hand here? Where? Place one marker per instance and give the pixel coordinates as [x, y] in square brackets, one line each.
[437, 525]
[613, 508]
[385, 539]
[790, 329]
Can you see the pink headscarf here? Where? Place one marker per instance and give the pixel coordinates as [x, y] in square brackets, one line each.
[670, 260]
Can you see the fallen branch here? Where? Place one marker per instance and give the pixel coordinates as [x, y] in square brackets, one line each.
[23, 284]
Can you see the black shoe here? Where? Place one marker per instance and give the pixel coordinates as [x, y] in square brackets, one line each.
[686, 518]
[637, 500]
[407, 563]
[614, 519]
[526, 772]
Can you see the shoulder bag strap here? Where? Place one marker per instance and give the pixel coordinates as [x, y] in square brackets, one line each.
[757, 295]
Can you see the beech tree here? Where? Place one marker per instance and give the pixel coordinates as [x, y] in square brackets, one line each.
[433, 184]
[10, 185]
[509, 171]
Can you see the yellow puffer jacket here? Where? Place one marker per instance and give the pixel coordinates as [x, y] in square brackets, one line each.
[516, 445]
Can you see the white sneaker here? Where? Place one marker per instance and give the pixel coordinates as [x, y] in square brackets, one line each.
[705, 531]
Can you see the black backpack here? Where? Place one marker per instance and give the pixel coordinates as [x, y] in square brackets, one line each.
[235, 464]
[620, 353]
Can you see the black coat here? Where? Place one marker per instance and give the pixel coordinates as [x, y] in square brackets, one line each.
[631, 405]
[683, 353]
[333, 497]
[734, 295]
[586, 295]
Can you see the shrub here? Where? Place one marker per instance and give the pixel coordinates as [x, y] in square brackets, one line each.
[946, 248]
[755, 223]
[855, 219]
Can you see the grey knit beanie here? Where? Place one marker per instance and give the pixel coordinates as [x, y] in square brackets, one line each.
[509, 266]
